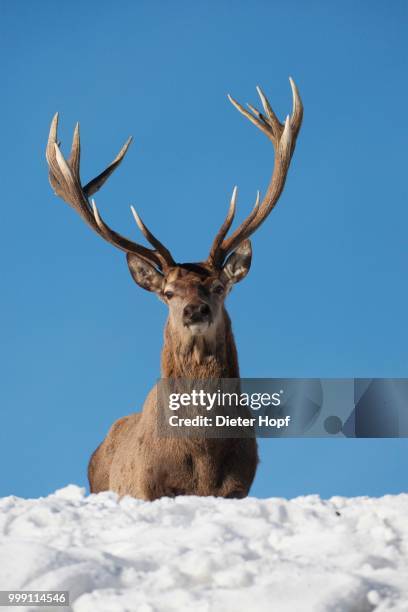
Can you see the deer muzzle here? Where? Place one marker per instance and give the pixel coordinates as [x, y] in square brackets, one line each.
[197, 314]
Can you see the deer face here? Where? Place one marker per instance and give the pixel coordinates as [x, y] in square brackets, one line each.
[194, 293]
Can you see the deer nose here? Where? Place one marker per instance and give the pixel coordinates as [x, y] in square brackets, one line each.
[196, 312]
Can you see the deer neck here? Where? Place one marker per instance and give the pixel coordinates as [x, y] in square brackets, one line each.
[213, 355]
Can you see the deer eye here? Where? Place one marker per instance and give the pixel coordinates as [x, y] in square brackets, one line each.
[218, 289]
[169, 294]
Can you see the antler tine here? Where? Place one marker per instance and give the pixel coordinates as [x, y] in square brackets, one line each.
[123, 243]
[52, 137]
[160, 248]
[56, 177]
[217, 254]
[222, 232]
[273, 120]
[259, 122]
[297, 112]
[96, 183]
[283, 137]
[74, 158]
[65, 180]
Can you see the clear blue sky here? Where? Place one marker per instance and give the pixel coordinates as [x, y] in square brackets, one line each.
[327, 294]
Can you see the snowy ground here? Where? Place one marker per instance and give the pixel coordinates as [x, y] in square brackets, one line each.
[206, 554]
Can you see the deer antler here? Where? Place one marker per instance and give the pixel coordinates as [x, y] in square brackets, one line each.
[283, 137]
[65, 180]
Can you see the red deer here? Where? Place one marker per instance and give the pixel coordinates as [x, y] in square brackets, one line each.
[198, 338]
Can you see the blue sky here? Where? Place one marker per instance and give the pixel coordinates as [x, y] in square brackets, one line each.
[327, 294]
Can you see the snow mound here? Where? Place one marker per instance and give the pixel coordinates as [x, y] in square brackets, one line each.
[208, 554]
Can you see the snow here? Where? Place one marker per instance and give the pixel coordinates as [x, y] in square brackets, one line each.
[208, 554]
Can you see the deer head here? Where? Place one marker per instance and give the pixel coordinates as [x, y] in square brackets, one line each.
[194, 292]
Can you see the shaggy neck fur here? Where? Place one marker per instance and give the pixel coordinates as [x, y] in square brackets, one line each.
[212, 355]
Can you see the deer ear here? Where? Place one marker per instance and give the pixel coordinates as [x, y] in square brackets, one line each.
[144, 274]
[238, 264]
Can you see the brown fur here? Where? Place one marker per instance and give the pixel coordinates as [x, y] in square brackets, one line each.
[132, 460]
